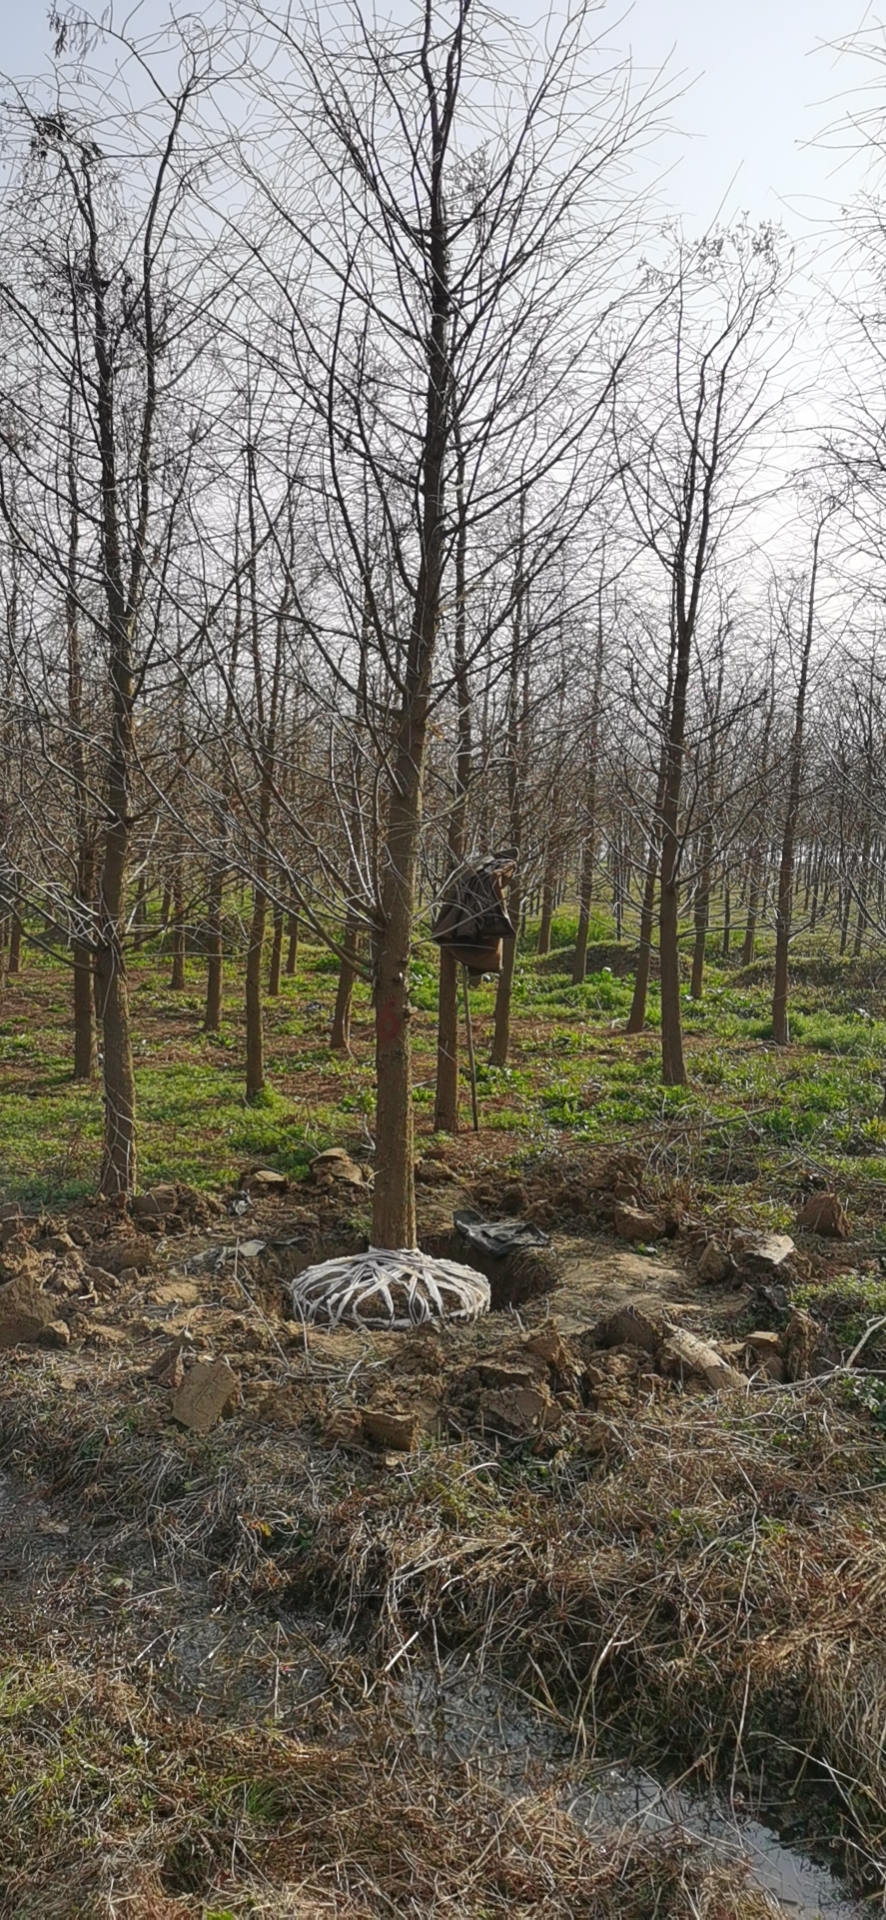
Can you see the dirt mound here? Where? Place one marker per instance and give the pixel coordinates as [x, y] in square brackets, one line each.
[593, 1188]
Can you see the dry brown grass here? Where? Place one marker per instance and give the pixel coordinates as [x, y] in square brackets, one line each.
[109, 1807]
[709, 1589]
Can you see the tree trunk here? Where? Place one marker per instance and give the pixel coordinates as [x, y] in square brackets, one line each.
[845, 911]
[140, 912]
[617, 899]
[637, 1015]
[446, 1097]
[276, 956]
[727, 918]
[862, 892]
[212, 1010]
[119, 1169]
[585, 895]
[84, 985]
[255, 1042]
[518, 725]
[750, 932]
[816, 886]
[393, 1213]
[501, 1026]
[702, 920]
[673, 1066]
[586, 881]
[14, 961]
[543, 942]
[784, 903]
[446, 1091]
[84, 1021]
[340, 1035]
[292, 948]
[672, 1062]
[177, 980]
[119, 1172]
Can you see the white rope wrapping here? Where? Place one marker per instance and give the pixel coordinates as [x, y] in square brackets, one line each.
[394, 1290]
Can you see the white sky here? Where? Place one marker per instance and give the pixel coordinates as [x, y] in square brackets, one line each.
[762, 83]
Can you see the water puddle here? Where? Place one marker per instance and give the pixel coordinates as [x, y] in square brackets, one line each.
[492, 1725]
[639, 1802]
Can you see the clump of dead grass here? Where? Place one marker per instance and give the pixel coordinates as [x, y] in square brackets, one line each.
[110, 1807]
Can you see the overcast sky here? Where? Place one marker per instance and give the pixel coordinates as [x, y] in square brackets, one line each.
[763, 81]
[761, 85]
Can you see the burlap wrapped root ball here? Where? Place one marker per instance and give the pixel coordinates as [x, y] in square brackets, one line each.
[392, 1290]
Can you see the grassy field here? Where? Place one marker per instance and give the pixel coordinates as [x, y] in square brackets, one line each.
[753, 1123]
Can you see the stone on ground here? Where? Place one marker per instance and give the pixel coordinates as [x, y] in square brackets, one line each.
[631, 1223]
[24, 1311]
[210, 1389]
[822, 1213]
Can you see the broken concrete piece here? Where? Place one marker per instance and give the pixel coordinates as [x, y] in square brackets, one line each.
[516, 1410]
[24, 1311]
[264, 1180]
[503, 1373]
[619, 1169]
[19, 1260]
[336, 1164]
[769, 1250]
[764, 1342]
[57, 1334]
[632, 1224]
[390, 1427]
[101, 1336]
[822, 1213]
[12, 1222]
[210, 1390]
[631, 1327]
[683, 1353]
[715, 1264]
[548, 1345]
[71, 1284]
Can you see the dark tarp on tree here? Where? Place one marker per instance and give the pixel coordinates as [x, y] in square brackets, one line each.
[473, 920]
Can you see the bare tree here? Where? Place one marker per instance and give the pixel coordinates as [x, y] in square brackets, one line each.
[444, 244]
[687, 439]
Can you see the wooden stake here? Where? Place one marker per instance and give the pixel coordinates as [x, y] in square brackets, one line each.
[469, 1033]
